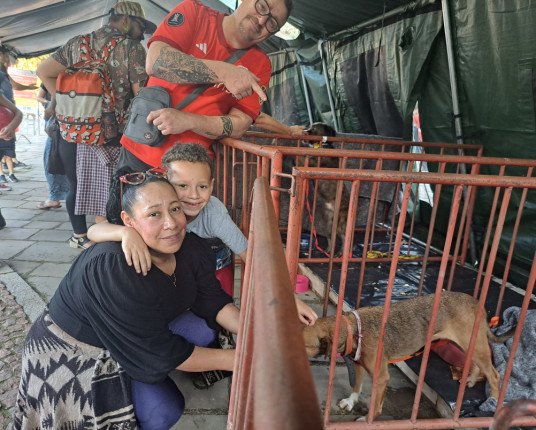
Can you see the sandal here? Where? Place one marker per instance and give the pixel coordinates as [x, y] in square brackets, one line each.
[204, 380]
[226, 340]
[47, 204]
[80, 242]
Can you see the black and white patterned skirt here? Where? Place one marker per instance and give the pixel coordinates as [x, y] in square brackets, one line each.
[67, 384]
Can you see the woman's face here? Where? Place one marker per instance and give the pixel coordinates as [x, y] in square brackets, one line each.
[158, 218]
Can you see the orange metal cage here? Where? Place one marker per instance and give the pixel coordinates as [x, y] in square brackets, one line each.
[240, 163]
[457, 225]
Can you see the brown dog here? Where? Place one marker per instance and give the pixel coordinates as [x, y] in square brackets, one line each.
[327, 191]
[405, 334]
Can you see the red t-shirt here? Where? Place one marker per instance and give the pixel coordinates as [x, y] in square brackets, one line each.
[197, 30]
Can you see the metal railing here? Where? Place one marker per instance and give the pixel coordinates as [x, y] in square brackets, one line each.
[240, 163]
[272, 386]
[503, 187]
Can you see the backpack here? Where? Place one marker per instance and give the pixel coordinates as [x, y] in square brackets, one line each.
[85, 103]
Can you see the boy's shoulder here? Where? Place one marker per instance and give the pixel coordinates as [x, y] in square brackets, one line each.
[215, 205]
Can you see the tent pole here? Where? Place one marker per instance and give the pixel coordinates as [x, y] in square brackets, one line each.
[328, 87]
[455, 103]
[452, 75]
[305, 89]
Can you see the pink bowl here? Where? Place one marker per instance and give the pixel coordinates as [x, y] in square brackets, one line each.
[302, 284]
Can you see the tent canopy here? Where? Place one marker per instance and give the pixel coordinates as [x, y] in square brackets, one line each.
[35, 27]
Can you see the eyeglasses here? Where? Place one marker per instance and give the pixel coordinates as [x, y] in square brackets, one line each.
[139, 178]
[263, 9]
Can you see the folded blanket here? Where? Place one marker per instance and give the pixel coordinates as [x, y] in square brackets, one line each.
[522, 383]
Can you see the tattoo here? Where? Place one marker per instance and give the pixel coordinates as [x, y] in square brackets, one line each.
[180, 68]
[227, 126]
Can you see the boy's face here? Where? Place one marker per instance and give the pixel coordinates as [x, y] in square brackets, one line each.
[193, 185]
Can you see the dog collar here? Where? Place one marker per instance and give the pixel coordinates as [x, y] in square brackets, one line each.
[349, 336]
[358, 335]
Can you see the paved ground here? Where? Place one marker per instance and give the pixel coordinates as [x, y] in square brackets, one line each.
[34, 256]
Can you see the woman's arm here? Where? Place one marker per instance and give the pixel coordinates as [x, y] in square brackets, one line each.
[203, 359]
[134, 248]
[228, 317]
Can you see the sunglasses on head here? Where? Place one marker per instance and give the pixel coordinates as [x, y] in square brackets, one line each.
[138, 178]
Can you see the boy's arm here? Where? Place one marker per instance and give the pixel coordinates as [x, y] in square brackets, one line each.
[135, 249]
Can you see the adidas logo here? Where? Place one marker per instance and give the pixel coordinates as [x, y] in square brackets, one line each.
[202, 47]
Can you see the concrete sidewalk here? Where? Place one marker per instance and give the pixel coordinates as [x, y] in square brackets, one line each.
[34, 257]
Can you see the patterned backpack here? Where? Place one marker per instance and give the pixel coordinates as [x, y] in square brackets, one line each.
[85, 103]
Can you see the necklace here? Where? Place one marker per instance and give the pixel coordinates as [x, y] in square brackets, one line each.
[173, 279]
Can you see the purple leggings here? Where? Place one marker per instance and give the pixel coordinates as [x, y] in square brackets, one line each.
[159, 406]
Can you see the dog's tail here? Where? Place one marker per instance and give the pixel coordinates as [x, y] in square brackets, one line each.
[503, 337]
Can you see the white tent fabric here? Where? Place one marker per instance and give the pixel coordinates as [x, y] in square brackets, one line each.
[36, 27]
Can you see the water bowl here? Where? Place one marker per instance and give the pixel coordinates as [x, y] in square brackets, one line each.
[302, 284]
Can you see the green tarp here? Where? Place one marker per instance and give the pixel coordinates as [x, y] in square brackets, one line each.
[378, 73]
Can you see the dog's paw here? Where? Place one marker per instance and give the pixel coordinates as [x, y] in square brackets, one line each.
[349, 403]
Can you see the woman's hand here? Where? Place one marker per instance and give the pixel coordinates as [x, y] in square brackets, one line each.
[135, 250]
[305, 312]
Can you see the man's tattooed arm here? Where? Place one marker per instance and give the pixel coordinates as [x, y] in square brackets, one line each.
[227, 128]
[180, 68]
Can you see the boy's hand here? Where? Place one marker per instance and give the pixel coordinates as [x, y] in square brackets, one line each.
[136, 251]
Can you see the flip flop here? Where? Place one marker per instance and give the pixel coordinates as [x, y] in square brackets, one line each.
[46, 205]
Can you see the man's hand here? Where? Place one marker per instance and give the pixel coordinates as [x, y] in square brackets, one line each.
[169, 121]
[241, 83]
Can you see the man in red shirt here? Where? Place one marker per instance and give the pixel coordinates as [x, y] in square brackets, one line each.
[190, 48]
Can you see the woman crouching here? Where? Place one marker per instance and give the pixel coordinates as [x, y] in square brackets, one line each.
[100, 354]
